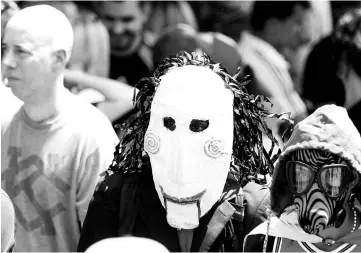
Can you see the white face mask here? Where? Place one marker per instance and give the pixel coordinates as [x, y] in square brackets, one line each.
[189, 142]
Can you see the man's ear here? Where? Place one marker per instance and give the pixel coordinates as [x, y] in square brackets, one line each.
[60, 58]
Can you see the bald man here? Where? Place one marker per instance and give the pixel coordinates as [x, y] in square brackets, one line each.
[55, 146]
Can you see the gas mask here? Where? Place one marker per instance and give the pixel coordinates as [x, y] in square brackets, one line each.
[189, 142]
[320, 182]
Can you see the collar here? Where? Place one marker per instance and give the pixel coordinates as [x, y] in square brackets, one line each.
[287, 227]
[260, 46]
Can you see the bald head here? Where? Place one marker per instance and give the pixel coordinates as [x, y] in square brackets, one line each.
[45, 26]
[36, 47]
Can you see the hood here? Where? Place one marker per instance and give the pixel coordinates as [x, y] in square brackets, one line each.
[329, 128]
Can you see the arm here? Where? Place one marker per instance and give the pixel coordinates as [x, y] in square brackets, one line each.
[98, 219]
[118, 95]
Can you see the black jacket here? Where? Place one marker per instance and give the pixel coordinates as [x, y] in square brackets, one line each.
[141, 214]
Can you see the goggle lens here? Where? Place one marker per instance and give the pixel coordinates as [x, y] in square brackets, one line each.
[299, 177]
[334, 180]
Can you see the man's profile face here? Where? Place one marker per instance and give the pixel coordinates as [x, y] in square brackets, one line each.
[125, 21]
[26, 60]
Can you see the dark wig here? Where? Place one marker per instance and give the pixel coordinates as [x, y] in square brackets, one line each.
[249, 157]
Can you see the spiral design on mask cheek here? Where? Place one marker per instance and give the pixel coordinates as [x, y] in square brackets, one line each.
[214, 148]
[151, 142]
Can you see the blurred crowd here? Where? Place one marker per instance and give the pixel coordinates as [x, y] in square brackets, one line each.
[297, 53]
[284, 45]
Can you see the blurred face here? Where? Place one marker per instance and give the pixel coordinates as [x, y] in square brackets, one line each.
[125, 21]
[294, 31]
[26, 62]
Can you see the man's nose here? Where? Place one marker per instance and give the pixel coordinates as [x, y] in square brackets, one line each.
[8, 60]
[118, 27]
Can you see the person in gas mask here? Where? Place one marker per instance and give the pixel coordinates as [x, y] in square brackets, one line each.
[193, 142]
[315, 192]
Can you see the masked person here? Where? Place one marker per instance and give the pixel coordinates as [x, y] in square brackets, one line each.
[176, 178]
[315, 192]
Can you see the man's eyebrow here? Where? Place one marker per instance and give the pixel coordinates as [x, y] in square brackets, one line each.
[24, 48]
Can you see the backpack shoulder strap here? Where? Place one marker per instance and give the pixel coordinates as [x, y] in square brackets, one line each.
[217, 223]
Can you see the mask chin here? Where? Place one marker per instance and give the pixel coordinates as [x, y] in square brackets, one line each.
[182, 216]
[314, 216]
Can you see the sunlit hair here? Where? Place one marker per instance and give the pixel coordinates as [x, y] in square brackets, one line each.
[347, 40]
[249, 157]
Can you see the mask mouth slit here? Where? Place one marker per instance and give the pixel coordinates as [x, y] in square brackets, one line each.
[183, 201]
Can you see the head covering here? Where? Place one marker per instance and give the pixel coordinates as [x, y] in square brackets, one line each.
[7, 222]
[330, 129]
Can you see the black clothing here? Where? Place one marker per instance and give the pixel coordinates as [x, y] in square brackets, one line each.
[320, 82]
[132, 67]
[129, 205]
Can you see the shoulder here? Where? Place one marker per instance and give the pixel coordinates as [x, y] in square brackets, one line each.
[115, 181]
[82, 112]
[258, 200]
[9, 118]
[87, 122]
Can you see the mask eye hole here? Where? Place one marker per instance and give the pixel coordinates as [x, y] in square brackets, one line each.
[198, 125]
[169, 123]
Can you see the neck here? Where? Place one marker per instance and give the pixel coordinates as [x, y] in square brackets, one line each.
[353, 91]
[47, 104]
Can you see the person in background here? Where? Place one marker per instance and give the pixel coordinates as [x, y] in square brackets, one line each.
[165, 14]
[91, 48]
[130, 43]
[182, 37]
[320, 83]
[7, 223]
[8, 9]
[8, 102]
[347, 51]
[226, 17]
[276, 25]
[55, 146]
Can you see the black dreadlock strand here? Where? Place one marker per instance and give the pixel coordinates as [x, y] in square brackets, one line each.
[249, 157]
